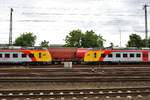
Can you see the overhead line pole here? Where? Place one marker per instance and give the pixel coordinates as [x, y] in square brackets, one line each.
[120, 37]
[10, 28]
[146, 26]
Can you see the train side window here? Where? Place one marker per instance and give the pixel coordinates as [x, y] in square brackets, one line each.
[7, 55]
[40, 55]
[117, 55]
[15, 55]
[125, 55]
[24, 55]
[131, 55]
[138, 55]
[103, 55]
[1, 56]
[31, 55]
[95, 55]
[110, 55]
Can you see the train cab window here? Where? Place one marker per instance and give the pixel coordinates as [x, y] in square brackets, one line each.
[7, 55]
[110, 55]
[31, 55]
[103, 55]
[1, 56]
[40, 55]
[117, 55]
[88, 55]
[131, 55]
[95, 55]
[24, 55]
[138, 55]
[125, 55]
[15, 55]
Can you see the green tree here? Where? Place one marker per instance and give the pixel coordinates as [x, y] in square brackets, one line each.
[74, 38]
[91, 39]
[135, 41]
[148, 43]
[77, 38]
[144, 42]
[26, 39]
[44, 44]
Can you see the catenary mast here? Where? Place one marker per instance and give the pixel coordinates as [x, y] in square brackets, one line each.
[10, 28]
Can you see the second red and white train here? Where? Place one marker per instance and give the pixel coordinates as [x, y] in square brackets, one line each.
[118, 56]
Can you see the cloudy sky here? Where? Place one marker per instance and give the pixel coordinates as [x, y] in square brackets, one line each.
[52, 20]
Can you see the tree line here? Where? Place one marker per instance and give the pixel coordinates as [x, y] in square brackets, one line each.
[77, 38]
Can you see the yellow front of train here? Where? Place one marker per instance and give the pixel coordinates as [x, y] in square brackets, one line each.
[93, 55]
[41, 56]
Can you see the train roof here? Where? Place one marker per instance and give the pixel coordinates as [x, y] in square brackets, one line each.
[21, 48]
[126, 48]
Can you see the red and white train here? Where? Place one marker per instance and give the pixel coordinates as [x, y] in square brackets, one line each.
[76, 55]
[118, 56]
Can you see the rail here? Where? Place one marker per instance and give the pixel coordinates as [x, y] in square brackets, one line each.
[88, 93]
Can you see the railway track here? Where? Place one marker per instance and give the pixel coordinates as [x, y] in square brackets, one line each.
[74, 65]
[74, 75]
[75, 79]
[76, 93]
[75, 71]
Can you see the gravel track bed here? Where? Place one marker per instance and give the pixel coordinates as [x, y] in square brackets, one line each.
[76, 85]
[74, 65]
[106, 98]
[69, 85]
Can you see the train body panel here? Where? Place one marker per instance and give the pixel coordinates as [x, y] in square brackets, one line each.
[41, 55]
[93, 55]
[119, 56]
[81, 53]
[63, 54]
[8, 57]
[123, 57]
[67, 54]
[21, 56]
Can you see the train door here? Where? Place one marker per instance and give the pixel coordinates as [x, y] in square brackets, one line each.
[95, 56]
[145, 56]
[40, 55]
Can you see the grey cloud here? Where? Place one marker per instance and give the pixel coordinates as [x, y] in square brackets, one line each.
[37, 20]
[90, 14]
[41, 13]
[4, 20]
